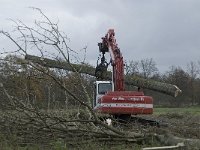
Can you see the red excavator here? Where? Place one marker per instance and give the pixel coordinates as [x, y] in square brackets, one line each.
[110, 96]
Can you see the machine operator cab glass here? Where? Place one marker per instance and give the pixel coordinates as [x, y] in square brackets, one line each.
[101, 87]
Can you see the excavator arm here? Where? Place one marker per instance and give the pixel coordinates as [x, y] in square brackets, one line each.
[109, 44]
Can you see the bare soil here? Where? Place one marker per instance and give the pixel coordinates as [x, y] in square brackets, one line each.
[181, 125]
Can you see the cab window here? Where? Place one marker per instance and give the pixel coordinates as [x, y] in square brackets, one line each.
[104, 87]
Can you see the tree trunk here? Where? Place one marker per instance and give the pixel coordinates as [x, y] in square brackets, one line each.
[166, 88]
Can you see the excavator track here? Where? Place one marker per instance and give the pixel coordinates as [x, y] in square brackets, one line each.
[127, 119]
[133, 119]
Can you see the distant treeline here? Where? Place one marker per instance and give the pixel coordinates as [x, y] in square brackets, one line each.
[35, 87]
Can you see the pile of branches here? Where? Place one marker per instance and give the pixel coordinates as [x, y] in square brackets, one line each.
[32, 125]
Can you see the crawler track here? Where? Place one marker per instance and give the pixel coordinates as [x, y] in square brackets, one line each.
[144, 121]
[128, 119]
[137, 119]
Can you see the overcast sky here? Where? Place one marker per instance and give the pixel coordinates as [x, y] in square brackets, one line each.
[166, 30]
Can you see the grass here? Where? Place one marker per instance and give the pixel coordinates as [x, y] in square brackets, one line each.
[194, 110]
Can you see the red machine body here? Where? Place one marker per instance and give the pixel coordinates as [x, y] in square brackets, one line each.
[125, 102]
[118, 101]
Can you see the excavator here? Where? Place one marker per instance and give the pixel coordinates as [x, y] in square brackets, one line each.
[110, 96]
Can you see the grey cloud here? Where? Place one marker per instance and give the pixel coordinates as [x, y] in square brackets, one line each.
[166, 30]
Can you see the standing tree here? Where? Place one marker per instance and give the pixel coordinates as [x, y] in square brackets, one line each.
[132, 68]
[145, 68]
[179, 77]
[148, 68]
[193, 72]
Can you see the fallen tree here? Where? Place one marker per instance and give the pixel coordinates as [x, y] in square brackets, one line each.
[166, 88]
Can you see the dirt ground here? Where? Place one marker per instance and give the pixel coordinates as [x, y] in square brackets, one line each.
[181, 125]
[178, 127]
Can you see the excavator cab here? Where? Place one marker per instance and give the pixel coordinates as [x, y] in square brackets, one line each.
[100, 89]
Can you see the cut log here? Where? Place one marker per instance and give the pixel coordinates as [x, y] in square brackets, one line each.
[178, 146]
[166, 88]
[162, 87]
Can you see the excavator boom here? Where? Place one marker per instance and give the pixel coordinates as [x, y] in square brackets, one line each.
[109, 45]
